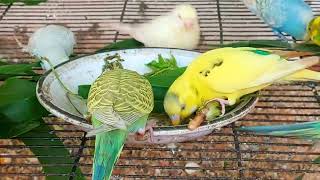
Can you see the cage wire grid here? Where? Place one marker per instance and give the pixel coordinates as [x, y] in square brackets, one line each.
[224, 154]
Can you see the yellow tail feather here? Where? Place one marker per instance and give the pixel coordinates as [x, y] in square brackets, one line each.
[303, 75]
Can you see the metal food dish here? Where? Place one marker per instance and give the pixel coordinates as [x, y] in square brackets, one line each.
[85, 70]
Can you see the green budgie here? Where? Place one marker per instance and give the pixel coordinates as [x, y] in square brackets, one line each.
[119, 103]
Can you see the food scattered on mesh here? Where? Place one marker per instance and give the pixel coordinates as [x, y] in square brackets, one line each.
[192, 167]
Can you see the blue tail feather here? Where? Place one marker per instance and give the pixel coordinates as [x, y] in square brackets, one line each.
[99, 172]
[308, 130]
[108, 148]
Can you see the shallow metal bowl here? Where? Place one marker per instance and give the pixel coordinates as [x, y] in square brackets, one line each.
[85, 70]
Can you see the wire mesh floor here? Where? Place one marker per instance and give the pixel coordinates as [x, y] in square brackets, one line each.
[224, 154]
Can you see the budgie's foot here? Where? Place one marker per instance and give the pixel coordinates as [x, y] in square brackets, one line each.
[222, 103]
[207, 112]
[149, 128]
[280, 35]
[294, 39]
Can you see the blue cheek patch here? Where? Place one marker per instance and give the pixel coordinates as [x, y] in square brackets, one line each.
[193, 109]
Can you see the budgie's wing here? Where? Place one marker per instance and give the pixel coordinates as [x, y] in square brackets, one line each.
[242, 68]
[273, 12]
[118, 99]
[251, 5]
[131, 122]
[157, 31]
[139, 95]
[137, 101]
[285, 69]
[106, 119]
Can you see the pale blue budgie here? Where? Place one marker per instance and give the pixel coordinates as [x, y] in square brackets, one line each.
[284, 16]
[53, 42]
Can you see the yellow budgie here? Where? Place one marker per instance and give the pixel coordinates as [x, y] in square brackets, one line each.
[178, 28]
[314, 30]
[226, 74]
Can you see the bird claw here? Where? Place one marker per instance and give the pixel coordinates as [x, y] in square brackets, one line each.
[202, 114]
[280, 35]
[140, 135]
[222, 103]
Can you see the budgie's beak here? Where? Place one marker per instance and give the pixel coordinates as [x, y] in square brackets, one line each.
[175, 119]
[188, 23]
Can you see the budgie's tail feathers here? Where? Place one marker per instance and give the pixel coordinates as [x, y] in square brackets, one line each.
[308, 130]
[108, 147]
[285, 69]
[304, 75]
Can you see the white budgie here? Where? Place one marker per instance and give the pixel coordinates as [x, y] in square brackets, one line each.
[53, 42]
[176, 29]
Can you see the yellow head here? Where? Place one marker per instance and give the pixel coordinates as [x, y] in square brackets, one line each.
[314, 30]
[181, 101]
[186, 15]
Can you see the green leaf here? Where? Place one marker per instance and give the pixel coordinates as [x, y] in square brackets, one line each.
[300, 177]
[52, 154]
[164, 72]
[27, 2]
[257, 44]
[317, 160]
[11, 70]
[35, 78]
[2, 62]
[83, 91]
[20, 110]
[306, 47]
[162, 63]
[158, 106]
[159, 92]
[166, 77]
[14, 90]
[124, 44]
[160, 83]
